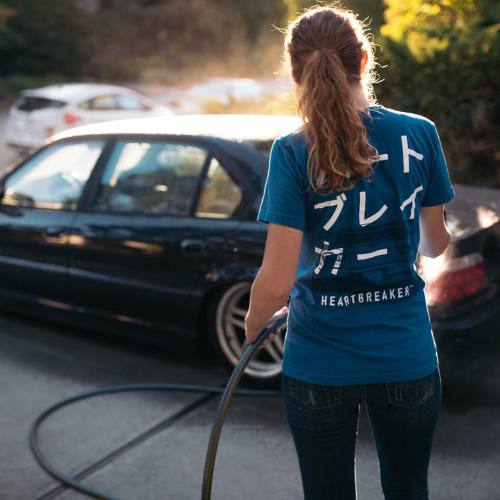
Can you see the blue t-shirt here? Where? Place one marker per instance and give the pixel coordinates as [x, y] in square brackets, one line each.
[357, 310]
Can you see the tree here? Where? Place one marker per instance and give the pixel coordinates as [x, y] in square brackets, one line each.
[42, 37]
[5, 13]
[442, 60]
[366, 9]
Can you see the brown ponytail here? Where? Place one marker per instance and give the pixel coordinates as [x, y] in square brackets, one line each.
[325, 48]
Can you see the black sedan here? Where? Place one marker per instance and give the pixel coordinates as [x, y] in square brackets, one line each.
[147, 227]
[146, 224]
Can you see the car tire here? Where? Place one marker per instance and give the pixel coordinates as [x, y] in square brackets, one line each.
[226, 325]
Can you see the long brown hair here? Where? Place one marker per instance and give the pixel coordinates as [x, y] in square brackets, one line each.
[323, 52]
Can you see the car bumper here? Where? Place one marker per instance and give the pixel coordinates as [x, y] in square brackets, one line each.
[476, 332]
[475, 318]
[25, 138]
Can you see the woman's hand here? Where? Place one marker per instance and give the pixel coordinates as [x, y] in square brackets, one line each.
[252, 331]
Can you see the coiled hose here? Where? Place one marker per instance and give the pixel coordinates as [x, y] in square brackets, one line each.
[227, 396]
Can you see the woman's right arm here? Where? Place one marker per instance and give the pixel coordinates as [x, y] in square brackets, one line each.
[434, 234]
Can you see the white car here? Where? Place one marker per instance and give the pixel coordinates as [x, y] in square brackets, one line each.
[223, 89]
[40, 113]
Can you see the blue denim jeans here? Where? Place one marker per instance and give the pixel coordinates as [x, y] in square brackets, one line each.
[323, 420]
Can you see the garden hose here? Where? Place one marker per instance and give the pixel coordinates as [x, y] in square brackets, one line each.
[227, 395]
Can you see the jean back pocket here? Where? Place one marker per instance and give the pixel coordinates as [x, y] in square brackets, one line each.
[411, 393]
[310, 396]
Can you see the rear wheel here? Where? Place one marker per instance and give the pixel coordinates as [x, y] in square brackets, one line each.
[226, 316]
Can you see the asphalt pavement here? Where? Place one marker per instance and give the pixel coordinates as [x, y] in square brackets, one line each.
[152, 445]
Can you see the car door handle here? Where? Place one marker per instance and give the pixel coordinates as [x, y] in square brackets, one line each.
[54, 231]
[193, 246]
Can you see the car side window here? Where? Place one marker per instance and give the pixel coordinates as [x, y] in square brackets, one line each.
[102, 103]
[220, 195]
[130, 103]
[54, 178]
[150, 177]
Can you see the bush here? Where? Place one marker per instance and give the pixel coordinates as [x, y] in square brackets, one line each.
[11, 85]
[37, 38]
[442, 60]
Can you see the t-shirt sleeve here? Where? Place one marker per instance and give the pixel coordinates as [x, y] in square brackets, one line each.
[283, 201]
[439, 189]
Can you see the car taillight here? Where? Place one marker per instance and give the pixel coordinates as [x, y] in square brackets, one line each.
[71, 118]
[454, 279]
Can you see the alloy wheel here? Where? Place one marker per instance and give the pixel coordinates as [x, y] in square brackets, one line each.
[230, 332]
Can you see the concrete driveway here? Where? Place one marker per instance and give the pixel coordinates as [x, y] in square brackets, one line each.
[152, 445]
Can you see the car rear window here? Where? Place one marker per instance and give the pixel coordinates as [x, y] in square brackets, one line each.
[32, 103]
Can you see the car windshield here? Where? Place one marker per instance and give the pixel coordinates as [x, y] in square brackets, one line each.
[35, 103]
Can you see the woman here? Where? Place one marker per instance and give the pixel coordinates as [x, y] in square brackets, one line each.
[350, 198]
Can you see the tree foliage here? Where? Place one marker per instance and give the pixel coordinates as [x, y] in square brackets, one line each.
[442, 60]
[41, 37]
[130, 36]
[373, 10]
[5, 13]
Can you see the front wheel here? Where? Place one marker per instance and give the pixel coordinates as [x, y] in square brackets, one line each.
[226, 317]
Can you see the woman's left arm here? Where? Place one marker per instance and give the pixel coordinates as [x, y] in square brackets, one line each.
[274, 280]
